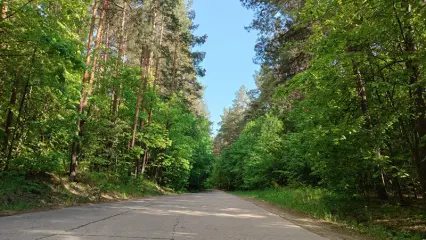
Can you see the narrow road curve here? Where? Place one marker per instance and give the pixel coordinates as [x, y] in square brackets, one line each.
[212, 215]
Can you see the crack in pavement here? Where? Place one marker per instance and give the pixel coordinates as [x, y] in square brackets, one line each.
[96, 221]
[174, 228]
[84, 225]
[220, 216]
[100, 220]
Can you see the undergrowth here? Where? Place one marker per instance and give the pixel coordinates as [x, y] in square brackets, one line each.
[40, 190]
[382, 220]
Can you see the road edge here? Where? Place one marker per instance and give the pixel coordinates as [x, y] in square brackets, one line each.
[332, 231]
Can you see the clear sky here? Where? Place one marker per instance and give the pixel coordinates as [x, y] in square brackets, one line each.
[230, 52]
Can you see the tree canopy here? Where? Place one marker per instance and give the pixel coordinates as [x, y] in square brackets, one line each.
[340, 100]
[106, 86]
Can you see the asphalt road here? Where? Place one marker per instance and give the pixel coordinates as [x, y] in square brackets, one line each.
[212, 215]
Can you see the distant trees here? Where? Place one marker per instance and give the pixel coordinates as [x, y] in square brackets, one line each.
[344, 82]
[232, 123]
[107, 86]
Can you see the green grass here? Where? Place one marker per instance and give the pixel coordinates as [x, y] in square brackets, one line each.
[27, 191]
[377, 219]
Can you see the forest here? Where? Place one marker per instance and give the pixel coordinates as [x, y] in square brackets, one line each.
[103, 88]
[107, 92]
[339, 105]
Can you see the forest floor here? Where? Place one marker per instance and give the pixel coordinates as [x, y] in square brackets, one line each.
[324, 213]
[30, 192]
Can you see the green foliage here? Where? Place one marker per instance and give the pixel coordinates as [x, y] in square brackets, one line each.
[354, 213]
[339, 104]
[77, 86]
[253, 160]
[347, 83]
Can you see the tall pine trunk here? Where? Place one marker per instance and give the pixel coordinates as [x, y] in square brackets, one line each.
[137, 110]
[172, 87]
[150, 57]
[121, 52]
[157, 70]
[87, 84]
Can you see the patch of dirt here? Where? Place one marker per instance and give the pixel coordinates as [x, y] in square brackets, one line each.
[332, 231]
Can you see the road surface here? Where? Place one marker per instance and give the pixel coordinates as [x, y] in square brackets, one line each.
[211, 215]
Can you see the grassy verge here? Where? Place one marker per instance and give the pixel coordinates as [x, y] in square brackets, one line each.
[23, 192]
[382, 220]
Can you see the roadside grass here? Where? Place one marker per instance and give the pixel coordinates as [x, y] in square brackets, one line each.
[20, 192]
[381, 220]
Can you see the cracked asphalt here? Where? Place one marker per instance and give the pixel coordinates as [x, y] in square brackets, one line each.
[211, 215]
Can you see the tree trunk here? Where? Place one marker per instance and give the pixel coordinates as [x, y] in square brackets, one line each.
[3, 46]
[150, 56]
[96, 48]
[116, 87]
[157, 70]
[146, 58]
[158, 170]
[419, 151]
[75, 151]
[147, 74]
[145, 160]
[157, 174]
[143, 82]
[107, 43]
[138, 103]
[419, 110]
[121, 52]
[361, 89]
[89, 46]
[379, 185]
[9, 116]
[20, 110]
[398, 190]
[172, 87]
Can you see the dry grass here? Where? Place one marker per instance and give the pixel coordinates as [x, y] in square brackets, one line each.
[38, 191]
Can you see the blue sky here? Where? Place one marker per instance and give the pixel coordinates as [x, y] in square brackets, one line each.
[230, 52]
